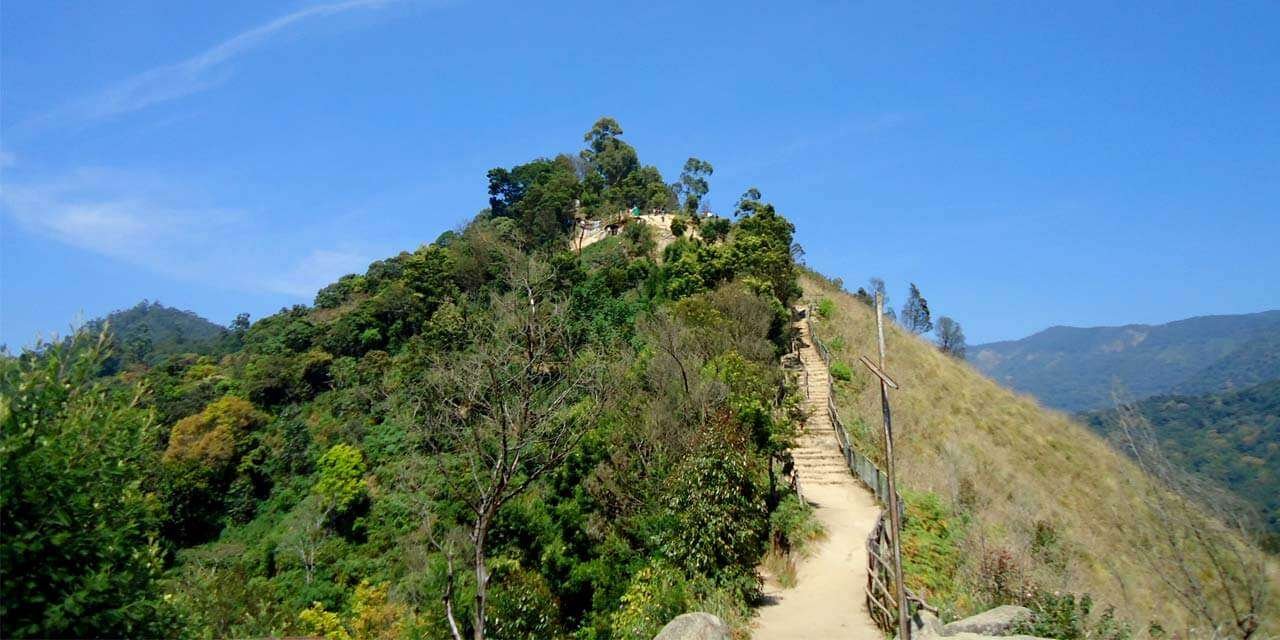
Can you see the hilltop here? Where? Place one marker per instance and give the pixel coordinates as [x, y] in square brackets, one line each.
[149, 332]
[1078, 368]
[1008, 497]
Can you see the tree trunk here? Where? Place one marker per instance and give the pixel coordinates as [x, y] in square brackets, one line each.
[482, 578]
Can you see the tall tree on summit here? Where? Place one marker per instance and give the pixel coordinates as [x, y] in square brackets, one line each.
[613, 158]
[915, 312]
[693, 183]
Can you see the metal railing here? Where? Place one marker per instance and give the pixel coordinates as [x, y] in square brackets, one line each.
[881, 603]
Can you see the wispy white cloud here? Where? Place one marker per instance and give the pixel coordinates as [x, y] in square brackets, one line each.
[315, 270]
[193, 75]
[149, 223]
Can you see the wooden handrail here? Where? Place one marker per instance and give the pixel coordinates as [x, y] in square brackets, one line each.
[881, 604]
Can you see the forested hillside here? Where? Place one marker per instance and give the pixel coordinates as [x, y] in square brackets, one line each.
[1082, 368]
[1010, 503]
[488, 435]
[149, 332]
[1231, 438]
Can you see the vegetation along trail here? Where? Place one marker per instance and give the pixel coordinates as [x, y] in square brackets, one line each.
[828, 600]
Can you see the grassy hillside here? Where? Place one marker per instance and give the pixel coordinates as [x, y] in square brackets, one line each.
[1078, 368]
[1007, 500]
[1232, 438]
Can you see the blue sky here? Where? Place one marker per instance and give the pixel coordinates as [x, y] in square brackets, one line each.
[1027, 164]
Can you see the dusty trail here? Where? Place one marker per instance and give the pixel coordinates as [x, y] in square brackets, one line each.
[828, 600]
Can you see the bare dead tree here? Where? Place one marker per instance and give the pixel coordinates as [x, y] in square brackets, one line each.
[668, 337]
[506, 412]
[1204, 547]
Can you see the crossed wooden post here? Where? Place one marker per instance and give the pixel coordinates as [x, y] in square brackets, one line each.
[895, 517]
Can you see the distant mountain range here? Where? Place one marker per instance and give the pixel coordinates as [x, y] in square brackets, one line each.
[1078, 369]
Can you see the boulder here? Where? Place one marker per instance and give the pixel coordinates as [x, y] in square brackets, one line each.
[694, 626]
[988, 625]
[995, 622]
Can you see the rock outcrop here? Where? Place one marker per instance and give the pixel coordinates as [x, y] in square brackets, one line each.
[694, 626]
[992, 624]
[995, 622]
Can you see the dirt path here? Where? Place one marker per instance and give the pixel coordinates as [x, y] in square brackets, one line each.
[828, 600]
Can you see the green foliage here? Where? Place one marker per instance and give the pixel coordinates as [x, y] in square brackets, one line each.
[826, 307]
[931, 554]
[693, 184]
[523, 605]
[1068, 617]
[794, 524]
[657, 593]
[150, 332]
[715, 517]
[841, 371]
[341, 472]
[80, 555]
[1230, 438]
[761, 252]
[296, 480]
[715, 229]
[678, 227]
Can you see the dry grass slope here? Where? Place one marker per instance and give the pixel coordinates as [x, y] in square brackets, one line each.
[1018, 469]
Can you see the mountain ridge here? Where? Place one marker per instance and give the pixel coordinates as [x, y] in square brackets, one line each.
[1078, 368]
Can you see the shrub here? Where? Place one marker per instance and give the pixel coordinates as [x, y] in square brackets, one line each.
[521, 605]
[656, 594]
[826, 308]
[841, 371]
[794, 525]
[716, 517]
[930, 547]
[677, 227]
[1068, 617]
[79, 556]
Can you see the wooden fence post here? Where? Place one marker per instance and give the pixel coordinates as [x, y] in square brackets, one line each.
[895, 516]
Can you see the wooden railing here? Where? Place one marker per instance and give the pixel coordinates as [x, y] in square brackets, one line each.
[881, 602]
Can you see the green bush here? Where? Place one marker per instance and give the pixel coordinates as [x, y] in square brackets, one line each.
[826, 308]
[657, 593]
[715, 513]
[1070, 617]
[931, 555]
[841, 371]
[677, 227]
[79, 556]
[794, 525]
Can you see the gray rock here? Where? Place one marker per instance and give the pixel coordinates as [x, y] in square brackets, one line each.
[989, 625]
[694, 626]
[995, 622]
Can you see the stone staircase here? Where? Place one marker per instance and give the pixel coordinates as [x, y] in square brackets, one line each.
[817, 454]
